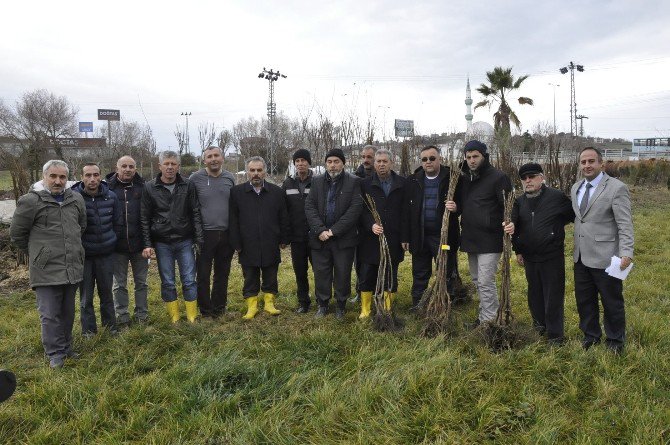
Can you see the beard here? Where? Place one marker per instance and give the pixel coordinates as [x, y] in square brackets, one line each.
[334, 175]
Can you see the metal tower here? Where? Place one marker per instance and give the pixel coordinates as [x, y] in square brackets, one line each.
[581, 118]
[272, 77]
[573, 103]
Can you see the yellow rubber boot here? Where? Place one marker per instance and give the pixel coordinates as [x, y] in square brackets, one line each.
[269, 306]
[191, 310]
[388, 300]
[366, 305]
[252, 308]
[173, 310]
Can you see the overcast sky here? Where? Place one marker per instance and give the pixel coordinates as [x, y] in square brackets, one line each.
[391, 59]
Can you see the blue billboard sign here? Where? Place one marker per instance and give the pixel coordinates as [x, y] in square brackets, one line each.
[86, 127]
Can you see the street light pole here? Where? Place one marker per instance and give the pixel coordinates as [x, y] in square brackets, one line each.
[554, 85]
[573, 102]
[272, 76]
[188, 139]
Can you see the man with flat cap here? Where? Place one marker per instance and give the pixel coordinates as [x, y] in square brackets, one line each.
[539, 217]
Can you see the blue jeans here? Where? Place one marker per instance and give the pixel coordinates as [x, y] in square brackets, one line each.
[182, 253]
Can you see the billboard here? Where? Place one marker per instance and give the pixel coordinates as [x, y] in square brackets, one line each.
[85, 127]
[77, 142]
[109, 115]
[404, 129]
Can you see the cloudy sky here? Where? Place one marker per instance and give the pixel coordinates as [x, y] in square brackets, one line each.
[389, 59]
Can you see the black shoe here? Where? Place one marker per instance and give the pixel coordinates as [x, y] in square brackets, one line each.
[339, 313]
[556, 341]
[72, 355]
[321, 312]
[615, 348]
[474, 325]
[356, 298]
[56, 362]
[587, 343]
[302, 309]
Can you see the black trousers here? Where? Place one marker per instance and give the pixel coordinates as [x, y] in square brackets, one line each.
[590, 282]
[423, 264]
[332, 270]
[252, 280]
[217, 250]
[301, 255]
[368, 281]
[546, 295]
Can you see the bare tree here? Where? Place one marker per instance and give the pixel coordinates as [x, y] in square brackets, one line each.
[129, 138]
[182, 139]
[224, 140]
[206, 135]
[37, 121]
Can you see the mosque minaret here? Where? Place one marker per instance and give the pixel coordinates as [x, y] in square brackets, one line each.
[468, 103]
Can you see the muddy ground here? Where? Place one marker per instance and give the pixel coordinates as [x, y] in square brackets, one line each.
[13, 277]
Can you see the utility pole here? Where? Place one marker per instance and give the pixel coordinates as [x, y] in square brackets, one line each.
[186, 114]
[554, 85]
[581, 118]
[272, 77]
[573, 103]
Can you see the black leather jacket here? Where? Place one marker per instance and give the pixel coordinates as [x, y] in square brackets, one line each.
[170, 217]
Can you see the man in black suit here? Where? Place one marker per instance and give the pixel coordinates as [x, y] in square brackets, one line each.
[332, 209]
[259, 227]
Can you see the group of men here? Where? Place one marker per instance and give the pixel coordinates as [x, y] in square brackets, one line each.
[88, 234]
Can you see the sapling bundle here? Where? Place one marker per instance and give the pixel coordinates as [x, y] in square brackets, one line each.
[435, 304]
[383, 320]
[499, 333]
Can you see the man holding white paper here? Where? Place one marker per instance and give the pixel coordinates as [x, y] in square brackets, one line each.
[603, 228]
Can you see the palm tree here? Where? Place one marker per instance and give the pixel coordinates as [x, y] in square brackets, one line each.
[502, 84]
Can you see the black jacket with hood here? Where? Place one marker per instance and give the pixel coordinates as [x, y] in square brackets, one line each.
[480, 202]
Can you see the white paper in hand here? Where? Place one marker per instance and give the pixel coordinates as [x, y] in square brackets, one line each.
[614, 269]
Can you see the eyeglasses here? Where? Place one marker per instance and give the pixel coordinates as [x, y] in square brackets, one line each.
[529, 176]
[429, 158]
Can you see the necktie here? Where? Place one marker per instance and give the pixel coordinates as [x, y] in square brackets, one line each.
[585, 198]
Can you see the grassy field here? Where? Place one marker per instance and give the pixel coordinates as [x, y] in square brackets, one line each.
[292, 379]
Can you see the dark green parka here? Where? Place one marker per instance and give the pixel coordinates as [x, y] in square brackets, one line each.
[50, 232]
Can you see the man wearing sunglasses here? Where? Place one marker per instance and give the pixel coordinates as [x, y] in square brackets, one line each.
[481, 203]
[539, 217]
[425, 203]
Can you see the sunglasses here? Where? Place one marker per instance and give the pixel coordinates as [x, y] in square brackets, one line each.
[429, 158]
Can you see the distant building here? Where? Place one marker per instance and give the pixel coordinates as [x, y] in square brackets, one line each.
[651, 147]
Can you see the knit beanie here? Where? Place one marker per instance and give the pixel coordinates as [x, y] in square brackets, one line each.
[304, 154]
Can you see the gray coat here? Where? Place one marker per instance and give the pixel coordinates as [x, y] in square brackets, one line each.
[50, 232]
[606, 228]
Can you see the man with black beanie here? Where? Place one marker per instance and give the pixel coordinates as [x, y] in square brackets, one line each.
[480, 200]
[539, 217]
[332, 209]
[296, 189]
